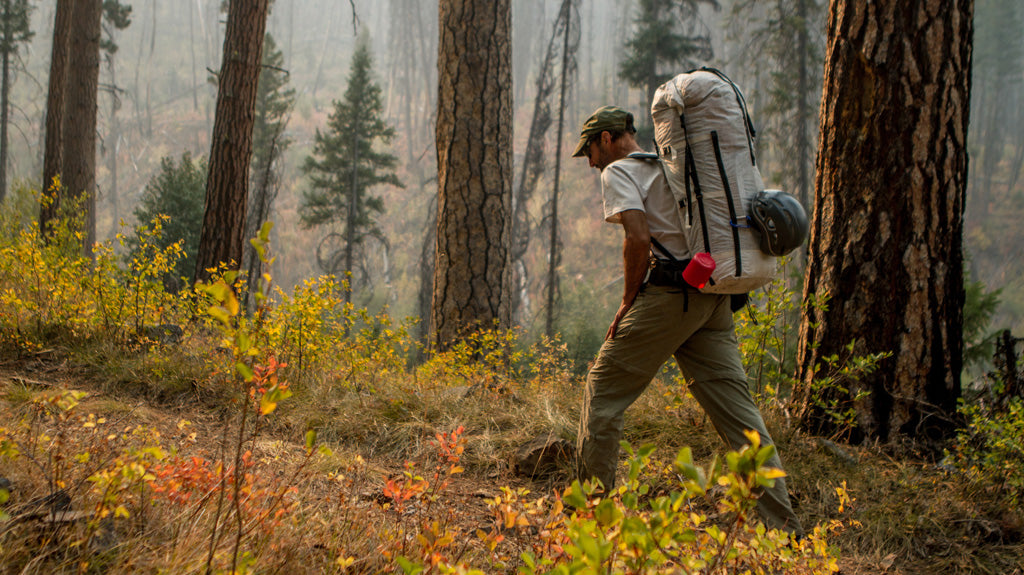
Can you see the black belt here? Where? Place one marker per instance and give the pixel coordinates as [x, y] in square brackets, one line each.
[667, 273]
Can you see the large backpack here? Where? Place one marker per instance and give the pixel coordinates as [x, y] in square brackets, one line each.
[706, 142]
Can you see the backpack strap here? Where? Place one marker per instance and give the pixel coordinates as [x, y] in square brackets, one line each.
[732, 206]
[691, 173]
[663, 250]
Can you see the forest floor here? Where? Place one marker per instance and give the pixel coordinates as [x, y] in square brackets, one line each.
[908, 514]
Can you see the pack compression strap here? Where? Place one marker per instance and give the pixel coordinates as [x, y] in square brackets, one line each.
[691, 172]
[732, 205]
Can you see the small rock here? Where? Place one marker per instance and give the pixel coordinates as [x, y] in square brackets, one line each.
[543, 456]
[53, 503]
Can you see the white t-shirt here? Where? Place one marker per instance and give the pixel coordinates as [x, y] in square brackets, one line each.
[639, 184]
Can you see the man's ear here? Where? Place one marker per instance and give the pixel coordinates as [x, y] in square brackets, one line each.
[606, 138]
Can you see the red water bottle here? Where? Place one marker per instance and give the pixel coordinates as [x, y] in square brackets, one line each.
[698, 271]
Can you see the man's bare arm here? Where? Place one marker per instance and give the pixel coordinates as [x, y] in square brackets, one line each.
[636, 249]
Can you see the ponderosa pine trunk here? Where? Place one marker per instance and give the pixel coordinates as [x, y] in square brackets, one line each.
[80, 107]
[53, 154]
[223, 232]
[472, 273]
[887, 228]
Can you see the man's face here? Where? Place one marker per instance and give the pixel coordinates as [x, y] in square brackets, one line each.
[599, 151]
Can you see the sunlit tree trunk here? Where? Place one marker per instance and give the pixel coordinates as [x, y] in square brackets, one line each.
[887, 230]
[227, 185]
[474, 164]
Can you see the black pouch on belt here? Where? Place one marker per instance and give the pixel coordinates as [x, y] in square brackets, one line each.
[667, 273]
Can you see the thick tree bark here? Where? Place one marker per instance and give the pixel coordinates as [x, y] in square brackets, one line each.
[53, 156]
[83, 73]
[474, 162]
[227, 185]
[886, 236]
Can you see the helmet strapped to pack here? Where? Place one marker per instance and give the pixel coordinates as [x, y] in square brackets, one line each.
[781, 221]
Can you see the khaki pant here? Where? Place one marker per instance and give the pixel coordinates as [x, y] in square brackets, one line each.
[704, 345]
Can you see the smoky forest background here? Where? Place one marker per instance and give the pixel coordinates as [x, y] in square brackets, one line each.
[157, 97]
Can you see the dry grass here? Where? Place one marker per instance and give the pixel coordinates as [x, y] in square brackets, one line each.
[910, 516]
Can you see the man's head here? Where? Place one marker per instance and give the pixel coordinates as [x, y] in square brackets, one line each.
[601, 139]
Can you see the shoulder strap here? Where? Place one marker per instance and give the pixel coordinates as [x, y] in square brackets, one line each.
[663, 250]
[690, 173]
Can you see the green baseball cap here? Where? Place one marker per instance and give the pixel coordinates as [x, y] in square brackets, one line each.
[607, 118]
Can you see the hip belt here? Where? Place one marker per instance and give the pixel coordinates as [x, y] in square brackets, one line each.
[667, 273]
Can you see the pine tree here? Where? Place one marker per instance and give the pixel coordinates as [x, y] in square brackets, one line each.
[343, 168]
[666, 42]
[14, 31]
[177, 191]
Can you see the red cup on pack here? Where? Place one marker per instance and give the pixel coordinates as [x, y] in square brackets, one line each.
[698, 271]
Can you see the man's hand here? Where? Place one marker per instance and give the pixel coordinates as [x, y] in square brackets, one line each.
[623, 308]
[636, 249]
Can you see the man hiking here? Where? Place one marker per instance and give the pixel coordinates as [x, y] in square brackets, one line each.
[660, 317]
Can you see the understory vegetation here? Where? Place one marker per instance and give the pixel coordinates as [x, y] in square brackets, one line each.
[149, 431]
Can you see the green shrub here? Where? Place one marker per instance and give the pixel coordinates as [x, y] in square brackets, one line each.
[638, 529]
[990, 447]
[178, 191]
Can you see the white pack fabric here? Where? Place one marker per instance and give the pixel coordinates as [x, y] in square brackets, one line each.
[704, 113]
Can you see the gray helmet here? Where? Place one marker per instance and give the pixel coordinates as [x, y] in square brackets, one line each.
[781, 220]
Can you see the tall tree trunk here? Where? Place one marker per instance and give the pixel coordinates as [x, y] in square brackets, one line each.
[887, 231]
[53, 156]
[532, 167]
[80, 112]
[427, 258]
[114, 138]
[5, 94]
[474, 162]
[803, 112]
[350, 218]
[192, 52]
[554, 255]
[803, 105]
[223, 232]
[260, 203]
